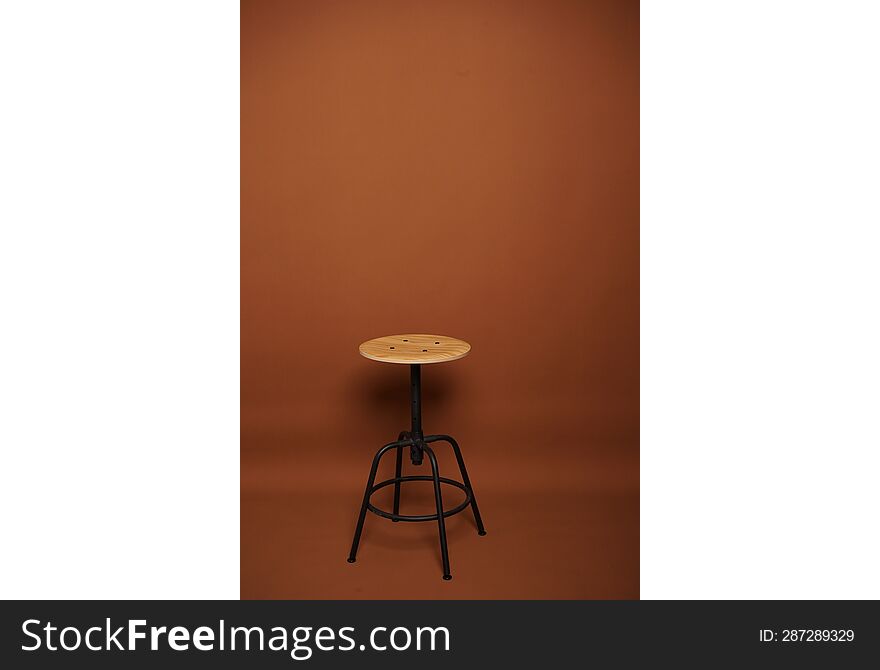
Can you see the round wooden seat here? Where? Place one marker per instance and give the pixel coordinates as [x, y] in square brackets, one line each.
[414, 349]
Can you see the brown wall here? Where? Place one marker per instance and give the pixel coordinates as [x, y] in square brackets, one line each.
[461, 168]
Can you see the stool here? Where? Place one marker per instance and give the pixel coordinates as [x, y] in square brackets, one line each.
[416, 350]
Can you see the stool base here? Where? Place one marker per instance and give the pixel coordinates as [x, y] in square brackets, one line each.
[418, 445]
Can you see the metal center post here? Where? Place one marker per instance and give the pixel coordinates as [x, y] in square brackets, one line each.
[416, 450]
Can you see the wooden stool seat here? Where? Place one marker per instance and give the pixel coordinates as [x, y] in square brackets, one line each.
[414, 349]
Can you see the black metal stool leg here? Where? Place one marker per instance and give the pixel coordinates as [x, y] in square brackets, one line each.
[464, 476]
[444, 551]
[397, 472]
[352, 556]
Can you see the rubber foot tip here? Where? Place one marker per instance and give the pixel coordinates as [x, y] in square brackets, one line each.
[351, 560]
[481, 532]
[394, 520]
[447, 577]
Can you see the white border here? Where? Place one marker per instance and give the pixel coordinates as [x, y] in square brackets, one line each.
[760, 290]
[119, 257]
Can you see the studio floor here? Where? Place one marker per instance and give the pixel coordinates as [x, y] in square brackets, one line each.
[553, 533]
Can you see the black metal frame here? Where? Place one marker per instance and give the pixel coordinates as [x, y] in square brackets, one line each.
[418, 444]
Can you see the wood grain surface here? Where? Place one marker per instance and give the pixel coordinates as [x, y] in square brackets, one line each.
[414, 348]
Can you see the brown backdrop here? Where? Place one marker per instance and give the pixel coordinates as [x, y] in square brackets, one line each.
[464, 168]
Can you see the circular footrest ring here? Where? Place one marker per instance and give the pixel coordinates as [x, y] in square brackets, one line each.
[469, 496]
